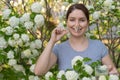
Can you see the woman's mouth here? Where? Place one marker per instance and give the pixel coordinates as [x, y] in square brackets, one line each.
[77, 29]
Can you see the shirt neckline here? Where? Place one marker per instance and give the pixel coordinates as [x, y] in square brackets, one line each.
[79, 51]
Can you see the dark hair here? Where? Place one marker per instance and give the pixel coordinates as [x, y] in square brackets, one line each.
[80, 7]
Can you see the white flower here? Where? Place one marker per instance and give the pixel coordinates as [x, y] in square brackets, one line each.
[86, 78]
[3, 43]
[48, 75]
[25, 37]
[32, 45]
[65, 4]
[96, 15]
[88, 69]
[12, 62]
[93, 78]
[89, 34]
[28, 24]
[25, 17]
[39, 20]
[16, 36]
[35, 28]
[61, 25]
[103, 67]
[10, 54]
[75, 1]
[108, 3]
[89, 7]
[102, 77]
[113, 77]
[6, 13]
[75, 59]
[32, 68]
[36, 7]
[92, 27]
[11, 42]
[27, 44]
[3, 29]
[38, 43]
[18, 68]
[62, 13]
[71, 75]
[30, 61]
[32, 77]
[19, 42]
[42, 2]
[35, 52]
[118, 27]
[112, 7]
[114, 28]
[68, 34]
[26, 53]
[9, 30]
[60, 73]
[14, 21]
[36, 78]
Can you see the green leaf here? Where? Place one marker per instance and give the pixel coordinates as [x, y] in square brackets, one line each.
[32, 16]
[86, 59]
[11, 74]
[63, 77]
[2, 59]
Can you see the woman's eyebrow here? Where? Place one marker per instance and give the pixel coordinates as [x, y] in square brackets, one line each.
[75, 17]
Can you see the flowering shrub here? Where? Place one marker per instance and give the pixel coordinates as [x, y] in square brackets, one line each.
[23, 37]
[82, 71]
[20, 47]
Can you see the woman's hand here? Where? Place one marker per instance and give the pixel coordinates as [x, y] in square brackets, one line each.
[112, 70]
[111, 67]
[57, 34]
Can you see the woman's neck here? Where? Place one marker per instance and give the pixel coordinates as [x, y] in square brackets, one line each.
[77, 40]
[79, 44]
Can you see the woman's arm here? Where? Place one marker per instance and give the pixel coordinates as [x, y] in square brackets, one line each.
[108, 62]
[46, 60]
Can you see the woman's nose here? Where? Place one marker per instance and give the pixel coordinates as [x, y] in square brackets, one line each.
[77, 24]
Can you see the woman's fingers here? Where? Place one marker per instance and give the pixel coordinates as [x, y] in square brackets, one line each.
[59, 30]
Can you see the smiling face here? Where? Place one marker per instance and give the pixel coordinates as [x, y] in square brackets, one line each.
[77, 23]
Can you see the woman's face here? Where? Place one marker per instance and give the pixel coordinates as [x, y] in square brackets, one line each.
[77, 23]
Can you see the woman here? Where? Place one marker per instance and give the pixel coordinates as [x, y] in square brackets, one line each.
[78, 44]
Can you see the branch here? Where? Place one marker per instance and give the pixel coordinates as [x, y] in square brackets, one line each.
[118, 60]
[7, 2]
[33, 34]
[24, 5]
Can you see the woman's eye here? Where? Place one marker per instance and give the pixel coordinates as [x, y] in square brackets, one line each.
[82, 20]
[72, 20]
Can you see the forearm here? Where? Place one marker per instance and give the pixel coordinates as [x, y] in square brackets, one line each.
[43, 61]
[111, 67]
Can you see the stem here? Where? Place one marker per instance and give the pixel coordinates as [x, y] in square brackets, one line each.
[98, 30]
[33, 34]
[24, 5]
[118, 60]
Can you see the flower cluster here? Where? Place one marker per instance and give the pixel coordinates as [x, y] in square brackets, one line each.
[20, 48]
[82, 71]
[22, 36]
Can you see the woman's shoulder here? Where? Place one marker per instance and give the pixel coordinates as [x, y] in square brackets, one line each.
[96, 42]
[60, 44]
